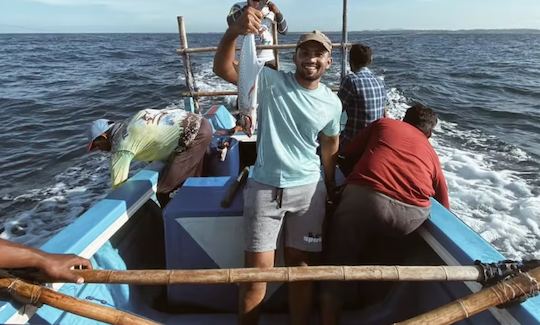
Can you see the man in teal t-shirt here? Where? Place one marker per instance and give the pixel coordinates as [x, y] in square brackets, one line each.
[296, 113]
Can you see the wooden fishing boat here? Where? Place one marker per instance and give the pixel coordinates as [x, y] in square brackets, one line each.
[128, 231]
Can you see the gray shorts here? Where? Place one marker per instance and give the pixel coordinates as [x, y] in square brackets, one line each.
[299, 209]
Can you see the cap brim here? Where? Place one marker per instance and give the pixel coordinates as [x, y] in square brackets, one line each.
[327, 47]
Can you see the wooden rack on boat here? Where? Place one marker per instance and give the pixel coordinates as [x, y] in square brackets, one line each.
[522, 285]
[184, 51]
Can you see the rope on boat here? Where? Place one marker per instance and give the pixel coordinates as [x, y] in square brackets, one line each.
[515, 288]
[40, 295]
[495, 273]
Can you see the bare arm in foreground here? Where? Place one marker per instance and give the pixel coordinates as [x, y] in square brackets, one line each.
[57, 266]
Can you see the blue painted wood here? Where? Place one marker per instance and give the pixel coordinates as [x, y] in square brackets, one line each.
[76, 237]
[467, 246]
[189, 104]
[463, 243]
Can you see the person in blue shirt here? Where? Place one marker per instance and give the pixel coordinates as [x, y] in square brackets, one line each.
[296, 113]
[362, 93]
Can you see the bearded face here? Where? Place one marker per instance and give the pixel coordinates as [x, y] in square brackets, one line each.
[311, 60]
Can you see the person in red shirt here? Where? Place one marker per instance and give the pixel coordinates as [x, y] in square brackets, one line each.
[386, 194]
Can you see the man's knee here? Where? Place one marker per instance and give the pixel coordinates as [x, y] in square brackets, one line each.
[259, 259]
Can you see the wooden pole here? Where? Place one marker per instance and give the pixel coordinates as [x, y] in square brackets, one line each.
[344, 41]
[523, 284]
[83, 308]
[210, 93]
[286, 274]
[190, 82]
[221, 93]
[182, 51]
[234, 187]
[276, 42]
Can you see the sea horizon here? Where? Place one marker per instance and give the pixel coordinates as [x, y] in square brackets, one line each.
[485, 87]
[473, 30]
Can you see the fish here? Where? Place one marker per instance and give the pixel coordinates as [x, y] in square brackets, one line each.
[249, 68]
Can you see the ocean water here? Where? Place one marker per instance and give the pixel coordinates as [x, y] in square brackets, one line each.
[485, 86]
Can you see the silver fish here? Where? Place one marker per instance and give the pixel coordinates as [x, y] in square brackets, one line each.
[249, 68]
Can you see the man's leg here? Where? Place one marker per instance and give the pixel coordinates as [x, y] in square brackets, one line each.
[301, 292]
[263, 218]
[252, 293]
[185, 164]
[303, 242]
[346, 236]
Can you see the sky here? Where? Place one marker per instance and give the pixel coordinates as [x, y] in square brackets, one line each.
[151, 16]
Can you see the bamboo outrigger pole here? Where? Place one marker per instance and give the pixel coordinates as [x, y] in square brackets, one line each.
[190, 81]
[83, 308]
[196, 94]
[286, 46]
[522, 285]
[276, 42]
[222, 93]
[285, 274]
[344, 41]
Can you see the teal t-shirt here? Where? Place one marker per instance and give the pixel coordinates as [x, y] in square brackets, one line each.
[290, 118]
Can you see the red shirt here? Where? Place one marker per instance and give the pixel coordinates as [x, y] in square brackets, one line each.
[397, 160]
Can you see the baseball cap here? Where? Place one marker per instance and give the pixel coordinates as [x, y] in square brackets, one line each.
[97, 128]
[316, 36]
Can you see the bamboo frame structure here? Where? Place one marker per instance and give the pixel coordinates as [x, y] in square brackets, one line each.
[222, 93]
[190, 81]
[524, 284]
[344, 41]
[286, 46]
[36, 293]
[276, 42]
[286, 274]
[185, 50]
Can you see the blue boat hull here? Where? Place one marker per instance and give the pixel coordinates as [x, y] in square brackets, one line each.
[127, 230]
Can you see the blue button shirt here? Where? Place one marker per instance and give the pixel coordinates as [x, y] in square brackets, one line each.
[363, 96]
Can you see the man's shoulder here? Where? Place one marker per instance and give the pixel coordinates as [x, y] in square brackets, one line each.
[330, 97]
[357, 78]
[364, 73]
[119, 135]
[389, 123]
[237, 6]
[328, 91]
[275, 75]
[403, 128]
